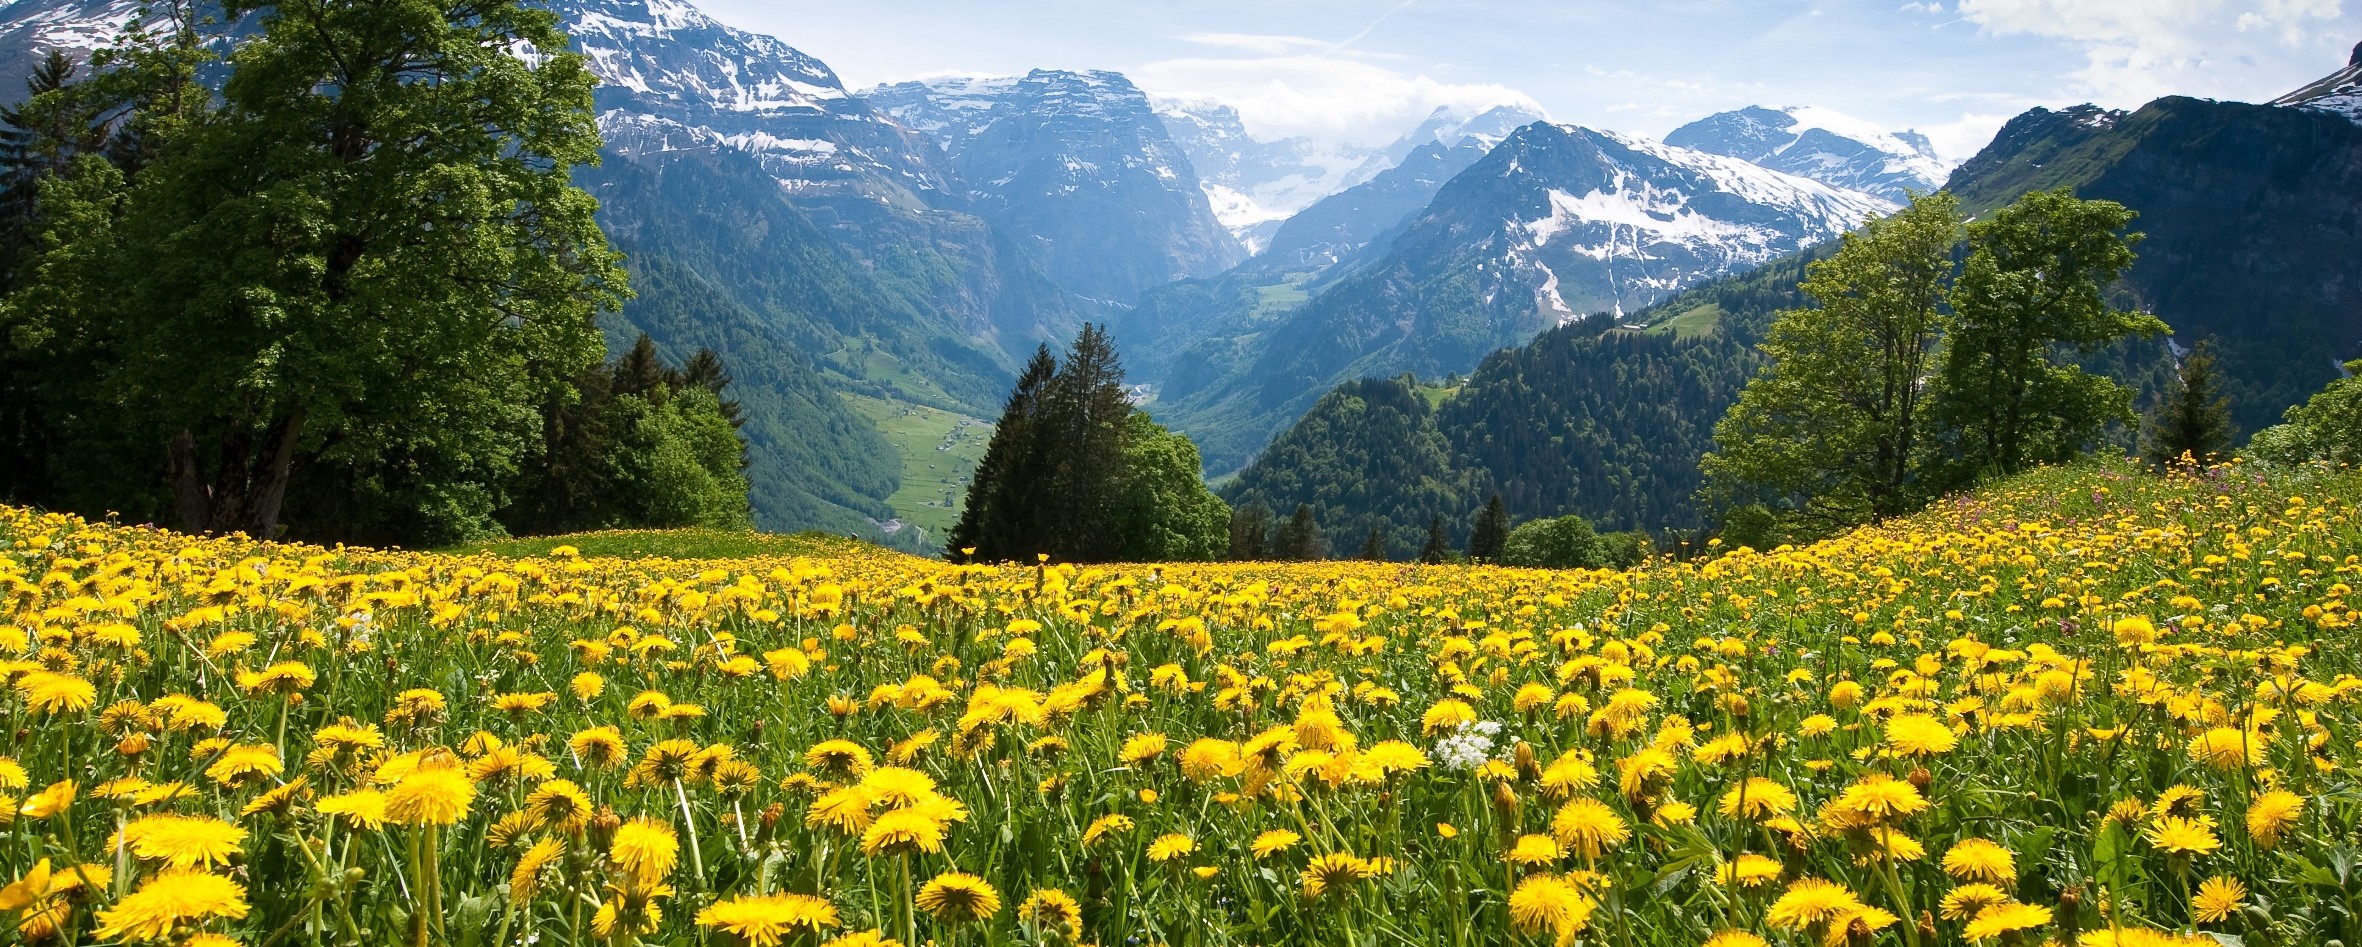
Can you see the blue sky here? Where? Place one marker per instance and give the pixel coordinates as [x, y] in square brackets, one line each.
[1351, 70]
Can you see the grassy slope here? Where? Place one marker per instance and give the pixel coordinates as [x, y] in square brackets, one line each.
[939, 450]
[1691, 323]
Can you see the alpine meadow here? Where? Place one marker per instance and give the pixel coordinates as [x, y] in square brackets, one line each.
[589, 473]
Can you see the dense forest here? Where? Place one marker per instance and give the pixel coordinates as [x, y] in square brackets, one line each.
[1588, 419]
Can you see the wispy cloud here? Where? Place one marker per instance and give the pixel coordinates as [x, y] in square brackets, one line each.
[1265, 43]
[1325, 96]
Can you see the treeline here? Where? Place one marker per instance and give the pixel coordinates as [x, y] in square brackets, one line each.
[1075, 472]
[337, 285]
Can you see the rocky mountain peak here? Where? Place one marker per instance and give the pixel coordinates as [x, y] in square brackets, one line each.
[1081, 165]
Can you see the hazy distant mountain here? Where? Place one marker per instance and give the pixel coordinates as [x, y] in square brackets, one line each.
[1078, 168]
[1344, 223]
[1822, 144]
[1256, 185]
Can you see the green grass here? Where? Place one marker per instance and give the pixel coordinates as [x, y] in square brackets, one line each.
[1280, 296]
[1693, 323]
[693, 543]
[1436, 394]
[939, 450]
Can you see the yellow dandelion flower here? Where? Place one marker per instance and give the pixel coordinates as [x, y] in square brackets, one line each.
[1170, 846]
[768, 920]
[646, 850]
[1548, 904]
[434, 796]
[169, 900]
[1273, 841]
[2005, 918]
[957, 897]
[1756, 798]
[2217, 899]
[1588, 827]
[1976, 859]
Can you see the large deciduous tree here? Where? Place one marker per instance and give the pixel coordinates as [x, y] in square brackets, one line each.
[1830, 425]
[352, 277]
[2033, 294]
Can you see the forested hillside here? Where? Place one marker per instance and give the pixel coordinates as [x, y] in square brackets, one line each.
[1588, 418]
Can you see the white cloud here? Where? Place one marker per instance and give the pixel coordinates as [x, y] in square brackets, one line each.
[1263, 43]
[1960, 139]
[1336, 98]
[2135, 50]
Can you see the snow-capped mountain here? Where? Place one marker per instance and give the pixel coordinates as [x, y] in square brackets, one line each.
[1597, 220]
[1822, 144]
[672, 79]
[1079, 168]
[1255, 185]
[29, 29]
[1554, 223]
[2339, 92]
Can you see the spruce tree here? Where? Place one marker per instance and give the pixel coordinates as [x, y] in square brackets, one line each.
[1373, 548]
[1439, 545]
[1300, 539]
[2196, 418]
[1084, 422]
[1491, 532]
[991, 519]
[1250, 533]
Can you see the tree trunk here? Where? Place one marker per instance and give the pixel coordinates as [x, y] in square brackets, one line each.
[190, 499]
[249, 484]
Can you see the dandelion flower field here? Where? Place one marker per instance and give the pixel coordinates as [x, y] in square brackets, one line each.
[2087, 706]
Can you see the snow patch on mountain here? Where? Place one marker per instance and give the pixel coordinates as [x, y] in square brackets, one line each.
[1254, 184]
[1597, 220]
[1822, 144]
[2339, 92]
[1080, 163]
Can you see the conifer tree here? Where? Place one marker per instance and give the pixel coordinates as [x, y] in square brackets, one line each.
[2196, 418]
[1491, 531]
[1300, 540]
[1439, 545]
[989, 520]
[1084, 419]
[1250, 533]
[1373, 547]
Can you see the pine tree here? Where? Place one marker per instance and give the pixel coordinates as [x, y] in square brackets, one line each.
[990, 519]
[2196, 418]
[1250, 533]
[1300, 539]
[1491, 531]
[1439, 545]
[1373, 548]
